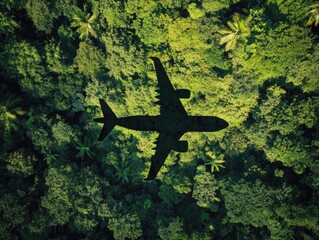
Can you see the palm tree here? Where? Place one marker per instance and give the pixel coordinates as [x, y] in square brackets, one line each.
[215, 163]
[123, 172]
[239, 28]
[82, 150]
[10, 111]
[83, 22]
[313, 12]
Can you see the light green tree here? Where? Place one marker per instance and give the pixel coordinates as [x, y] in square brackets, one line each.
[20, 163]
[127, 226]
[205, 187]
[237, 29]
[216, 163]
[313, 14]
[89, 59]
[10, 111]
[83, 22]
[194, 11]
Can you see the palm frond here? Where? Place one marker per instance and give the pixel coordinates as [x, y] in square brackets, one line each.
[232, 26]
[224, 31]
[227, 38]
[231, 44]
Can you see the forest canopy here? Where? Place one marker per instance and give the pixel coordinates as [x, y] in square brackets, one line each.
[252, 63]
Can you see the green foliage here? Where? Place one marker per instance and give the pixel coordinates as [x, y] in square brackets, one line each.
[292, 153]
[257, 179]
[213, 6]
[153, 30]
[141, 8]
[83, 151]
[24, 61]
[83, 22]
[125, 226]
[205, 187]
[184, 34]
[123, 172]
[259, 197]
[180, 182]
[293, 10]
[13, 214]
[89, 59]
[64, 7]
[122, 61]
[62, 133]
[297, 215]
[56, 59]
[194, 11]
[174, 231]
[7, 24]
[238, 29]
[76, 194]
[304, 74]
[215, 163]
[278, 51]
[261, 210]
[313, 13]
[20, 163]
[10, 112]
[40, 13]
[58, 202]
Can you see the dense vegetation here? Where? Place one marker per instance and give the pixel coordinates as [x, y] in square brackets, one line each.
[252, 63]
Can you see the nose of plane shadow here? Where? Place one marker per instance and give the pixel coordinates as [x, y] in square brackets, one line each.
[223, 124]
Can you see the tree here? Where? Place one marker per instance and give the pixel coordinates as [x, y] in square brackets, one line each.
[313, 14]
[13, 213]
[213, 6]
[25, 62]
[10, 119]
[303, 73]
[194, 11]
[174, 231]
[205, 187]
[215, 163]
[257, 179]
[56, 59]
[125, 226]
[75, 193]
[40, 13]
[83, 22]
[153, 30]
[292, 11]
[62, 132]
[261, 210]
[7, 24]
[124, 59]
[299, 215]
[291, 152]
[83, 150]
[238, 29]
[89, 59]
[10, 112]
[123, 172]
[20, 163]
[275, 52]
